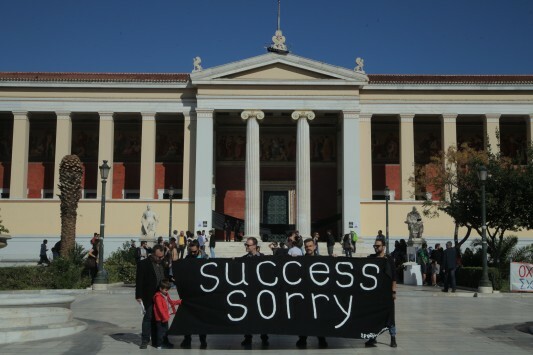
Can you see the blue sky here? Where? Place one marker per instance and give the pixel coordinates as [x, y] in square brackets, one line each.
[393, 36]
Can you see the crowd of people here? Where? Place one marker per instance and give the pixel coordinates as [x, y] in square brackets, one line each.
[153, 283]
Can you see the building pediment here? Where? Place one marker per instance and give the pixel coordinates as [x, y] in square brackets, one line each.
[277, 69]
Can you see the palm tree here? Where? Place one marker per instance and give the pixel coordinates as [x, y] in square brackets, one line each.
[70, 174]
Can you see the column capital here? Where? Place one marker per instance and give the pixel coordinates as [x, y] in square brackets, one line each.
[63, 115]
[20, 115]
[407, 117]
[449, 117]
[493, 117]
[351, 115]
[106, 116]
[204, 113]
[365, 117]
[296, 115]
[252, 114]
[148, 116]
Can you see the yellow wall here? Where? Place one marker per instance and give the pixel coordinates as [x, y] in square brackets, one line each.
[42, 217]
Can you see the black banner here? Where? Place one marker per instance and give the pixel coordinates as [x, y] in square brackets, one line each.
[315, 296]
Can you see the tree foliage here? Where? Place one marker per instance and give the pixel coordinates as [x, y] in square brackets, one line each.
[2, 228]
[453, 178]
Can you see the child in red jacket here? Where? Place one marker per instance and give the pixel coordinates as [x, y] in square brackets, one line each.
[163, 308]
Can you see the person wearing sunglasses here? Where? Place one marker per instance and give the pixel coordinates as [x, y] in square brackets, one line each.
[252, 251]
[379, 249]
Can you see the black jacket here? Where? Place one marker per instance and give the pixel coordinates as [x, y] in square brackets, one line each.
[146, 282]
[450, 259]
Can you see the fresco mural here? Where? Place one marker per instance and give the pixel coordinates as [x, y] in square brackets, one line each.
[85, 141]
[6, 139]
[127, 142]
[386, 143]
[169, 143]
[42, 146]
[275, 147]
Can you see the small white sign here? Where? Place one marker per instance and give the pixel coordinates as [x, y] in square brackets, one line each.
[521, 277]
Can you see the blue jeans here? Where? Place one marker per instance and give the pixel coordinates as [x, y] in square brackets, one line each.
[212, 252]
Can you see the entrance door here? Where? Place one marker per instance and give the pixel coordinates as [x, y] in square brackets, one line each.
[275, 207]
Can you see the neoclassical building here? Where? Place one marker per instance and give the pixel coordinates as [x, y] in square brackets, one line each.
[275, 139]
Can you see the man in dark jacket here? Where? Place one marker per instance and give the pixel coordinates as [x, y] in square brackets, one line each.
[449, 264]
[330, 240]
[150, 272]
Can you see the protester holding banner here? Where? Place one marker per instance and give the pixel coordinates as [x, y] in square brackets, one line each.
[195, 253]
[310, 250]
[252, 251]
[379, 248]
[150, 273]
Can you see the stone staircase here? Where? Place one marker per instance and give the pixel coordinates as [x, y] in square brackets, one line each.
[236, 249]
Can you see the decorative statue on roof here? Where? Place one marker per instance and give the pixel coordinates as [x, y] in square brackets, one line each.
[360, 64]
[197, 62]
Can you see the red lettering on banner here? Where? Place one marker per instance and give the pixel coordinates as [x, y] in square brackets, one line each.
[525, 271]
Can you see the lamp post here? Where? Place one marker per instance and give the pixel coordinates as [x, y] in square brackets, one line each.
[101, 276]
[170, 195]
[387, 197]
[485, 286]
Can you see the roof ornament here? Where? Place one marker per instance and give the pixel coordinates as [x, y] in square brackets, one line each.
[278, 40]
[197, 63]
[360, 64]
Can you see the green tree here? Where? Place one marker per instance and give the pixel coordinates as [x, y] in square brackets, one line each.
[452, 176]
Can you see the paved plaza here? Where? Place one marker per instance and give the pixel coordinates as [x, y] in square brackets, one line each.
[428, 321]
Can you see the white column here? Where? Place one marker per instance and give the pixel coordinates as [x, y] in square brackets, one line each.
[147, 188]
[18, 187]
[63, 144]
[491, 130]
[303, 172]
[189, 148]
[106, 138]
[365, 139]
[449, 131]
[407, 154]
[203, 185]
[252, 212]
[351, 168]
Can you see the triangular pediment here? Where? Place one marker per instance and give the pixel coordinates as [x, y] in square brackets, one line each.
[278, 69]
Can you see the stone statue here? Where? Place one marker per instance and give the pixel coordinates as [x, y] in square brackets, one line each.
[149, 223]
[278, 41]
[197, 62]
[360, 64]
[415, 225]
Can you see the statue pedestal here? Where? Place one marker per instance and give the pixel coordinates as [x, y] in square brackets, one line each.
[415, 242]
[412, 274]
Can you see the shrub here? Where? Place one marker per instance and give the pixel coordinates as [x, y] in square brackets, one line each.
[470, 276]
[121, 265]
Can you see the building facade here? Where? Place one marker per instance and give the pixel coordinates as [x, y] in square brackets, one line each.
[273, 139]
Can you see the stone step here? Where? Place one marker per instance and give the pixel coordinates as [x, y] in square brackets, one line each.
[40, 332]
[35, 316]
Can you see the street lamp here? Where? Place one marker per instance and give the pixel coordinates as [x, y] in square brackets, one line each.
[170, 195]
[387, 197]
[101, 276]
[485, 286]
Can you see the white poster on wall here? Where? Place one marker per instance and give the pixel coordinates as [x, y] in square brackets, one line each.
[521, 277]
